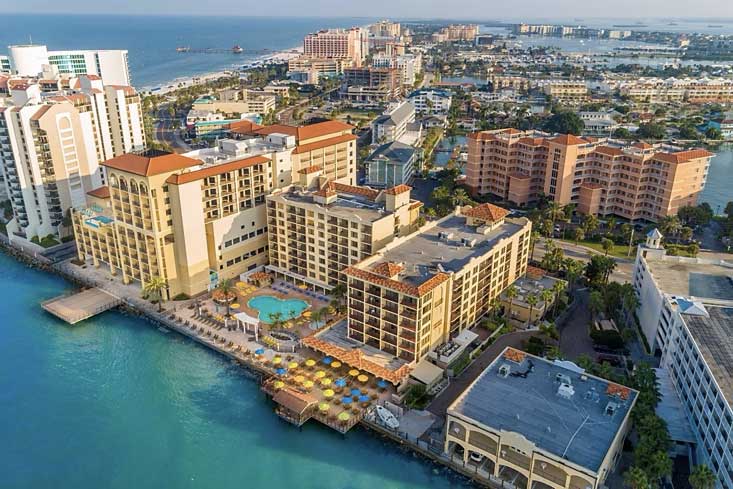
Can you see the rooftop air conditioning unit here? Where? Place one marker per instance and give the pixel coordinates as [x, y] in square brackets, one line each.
[566, 391]
[504, 370]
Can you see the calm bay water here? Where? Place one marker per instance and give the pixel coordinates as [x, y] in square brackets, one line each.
[719, 186]
[115, 403]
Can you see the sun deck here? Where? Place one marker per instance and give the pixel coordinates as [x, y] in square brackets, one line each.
[81, 306]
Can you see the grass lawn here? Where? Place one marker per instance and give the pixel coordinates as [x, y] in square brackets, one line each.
[619, 251]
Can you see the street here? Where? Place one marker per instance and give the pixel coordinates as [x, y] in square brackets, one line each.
[164, 132]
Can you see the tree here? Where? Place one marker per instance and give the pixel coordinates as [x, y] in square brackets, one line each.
[277, 319]
[546, 296]
[565, 122]
[226, 289]
[460, 197]
[316, 317]
[533, 238]
[651, 130]
[670, 225]
[635, 478]
[688, 132]
[607, 246]
[686, 233]
[702, 477]
[599, 269]
[611, 223]
[153, 290]
[511, 293]
[596, 303]
[557, 289]
[590, 224]
[573, 270]
[579, 234]
[713, 133]
[531, 301]
[622, 133]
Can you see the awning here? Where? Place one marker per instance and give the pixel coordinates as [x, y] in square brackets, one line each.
[246, 318]
[427, 373]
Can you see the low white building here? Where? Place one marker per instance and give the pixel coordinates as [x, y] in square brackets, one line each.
[431, 101]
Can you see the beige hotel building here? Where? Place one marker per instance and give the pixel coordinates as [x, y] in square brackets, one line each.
[193, 219]
[425, 288]
[318, 228]
[601, 176]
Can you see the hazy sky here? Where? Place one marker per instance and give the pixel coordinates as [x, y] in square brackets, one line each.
[463, 9]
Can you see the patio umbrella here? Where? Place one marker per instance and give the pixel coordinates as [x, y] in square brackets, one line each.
[362, 378]
[299, 379]
[302, 286]
[355, 392]
[279, 384]
[235, 305]
[328, 393]
[326, 381]
[310, 362]
[340, 383]
[281, 371]
[336, 364]
[327, 360]
[307, 314]
[364, 398]
[346, 400]
[354, 373]
[292, 365]
[308, 384]
[260, 351]
[324, 406]
[241, 284]
[344, 416]
[381, 384]
[277, 360]
[320, 374]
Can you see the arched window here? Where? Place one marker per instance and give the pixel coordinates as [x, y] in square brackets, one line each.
[133, 187]
[123, 184]
[113, 181]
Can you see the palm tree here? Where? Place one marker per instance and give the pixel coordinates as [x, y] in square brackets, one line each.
[546, 295]
[573, 270]
[611, 224]
[557, 289]
[607, 246]
[590, 223]
[636, 478]
[460, 197]
[579, 234]
[325, 311]
[533, 238]
[276, 319]
[702, 477]
[226, 289]
[555, 212]
[153, 290]
[316, 317]
[511, 294]
[532, 301]
[596, 303]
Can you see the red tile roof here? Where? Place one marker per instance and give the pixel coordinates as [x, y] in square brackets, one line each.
[487, 212]
[309, 169]
[367, 192]
[148, 166]
[415, 291]
[276, 129]
[100, 193]
[608, 150]
[210, 171]
[328, 190]
[244, 127]
[305, 148]
[320, 129]
[399, 189]
[569, 140]
[387, 268]
[683, 156]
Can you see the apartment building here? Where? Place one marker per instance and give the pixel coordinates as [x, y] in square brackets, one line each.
[456, 32]
[51, 146]
[423, 289]
[521, 422]
[109, 64]
[431, 101]
[238, 102]
[385, 28]
[694, 91]
[686, 314]
[351, 44]
[566, 92]
[601, 176]
[392, 164]
[318, 227]
[394, 123]
[409, 66]
[196, 218]
[370, 85]
[508, 82]
[306, 69]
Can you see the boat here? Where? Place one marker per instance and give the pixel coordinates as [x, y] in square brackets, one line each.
[386, 417]
[237, 49]
[183, 49]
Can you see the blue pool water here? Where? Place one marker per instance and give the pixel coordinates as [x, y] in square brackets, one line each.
[115, 403]
[268, 305]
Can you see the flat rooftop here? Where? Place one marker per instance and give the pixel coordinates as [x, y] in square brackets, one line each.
[423, 254]
[714, 337]
[346, 206]
[577, 428]
[703, 280]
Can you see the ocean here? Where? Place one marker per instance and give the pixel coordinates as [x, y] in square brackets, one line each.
[152, 40]
[115, 403]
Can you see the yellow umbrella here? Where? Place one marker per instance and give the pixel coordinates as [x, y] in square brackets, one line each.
[277, 360]
[302, 286]
[324, 406]
[310, 362]
[328, 393]
[362, 378]
[293, 365]
[299, 379]
[335, 364]
[326, 381]
[279, 384]
[235, 305]
[308, 384]
[320, 374]
[307, 314]
[344, 416]
[241, 284]
[353, 372]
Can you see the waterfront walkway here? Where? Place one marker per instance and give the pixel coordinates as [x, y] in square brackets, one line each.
[82, 305]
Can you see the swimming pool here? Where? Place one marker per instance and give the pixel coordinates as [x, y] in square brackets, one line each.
[268, 305]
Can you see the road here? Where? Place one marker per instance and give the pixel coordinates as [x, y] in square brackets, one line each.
[624, 266]
[164, 132]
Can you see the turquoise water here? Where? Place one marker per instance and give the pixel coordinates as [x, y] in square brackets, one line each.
[268, 305]
[114, 403]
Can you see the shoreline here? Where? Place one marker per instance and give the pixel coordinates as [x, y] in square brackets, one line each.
[169, 320]
[184, 81]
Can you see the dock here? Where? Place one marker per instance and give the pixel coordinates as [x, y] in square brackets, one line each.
[81, 305]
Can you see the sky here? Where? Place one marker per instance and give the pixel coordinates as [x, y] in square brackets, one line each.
[406, 9]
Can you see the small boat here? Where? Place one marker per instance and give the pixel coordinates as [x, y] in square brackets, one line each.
[386, 417]
[183, 49]
[237, 49]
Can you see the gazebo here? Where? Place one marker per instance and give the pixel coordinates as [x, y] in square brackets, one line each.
[246, 320]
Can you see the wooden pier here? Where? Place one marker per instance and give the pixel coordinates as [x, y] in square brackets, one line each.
[82, 305]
